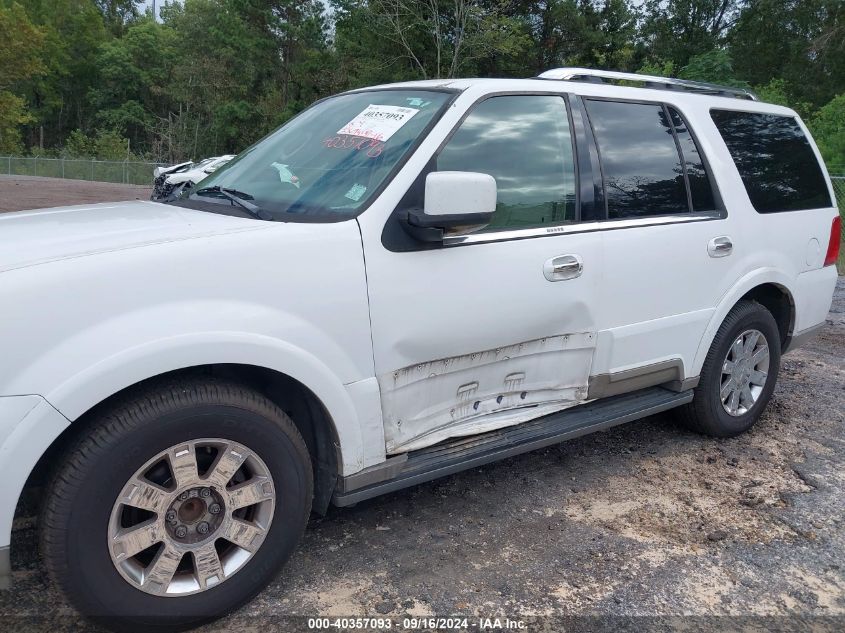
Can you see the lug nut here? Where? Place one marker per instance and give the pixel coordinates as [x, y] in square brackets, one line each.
[170, 517]
[202, 528]
[183, 496]
[205, 492]
[214, 508]
[182, 531]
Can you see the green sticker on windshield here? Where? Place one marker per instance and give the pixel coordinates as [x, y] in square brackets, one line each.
[286, 175]
[356, 192]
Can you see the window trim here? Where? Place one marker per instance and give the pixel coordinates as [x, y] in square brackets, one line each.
[581, 227]
[681, 155]
[572, 100]
[717, 199]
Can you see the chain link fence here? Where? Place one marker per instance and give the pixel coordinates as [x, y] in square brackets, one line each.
[839, 190]
[125, 172]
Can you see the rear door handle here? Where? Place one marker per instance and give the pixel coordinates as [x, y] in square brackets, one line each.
[563, 267]
[720, 246]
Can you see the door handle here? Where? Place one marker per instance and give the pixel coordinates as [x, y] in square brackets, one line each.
[563, 267]
[720, 246]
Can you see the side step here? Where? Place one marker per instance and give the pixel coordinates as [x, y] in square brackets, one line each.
[462, 453]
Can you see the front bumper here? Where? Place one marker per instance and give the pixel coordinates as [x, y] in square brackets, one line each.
[28, 425]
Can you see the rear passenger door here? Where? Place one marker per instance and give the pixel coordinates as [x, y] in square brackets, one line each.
[666, 242]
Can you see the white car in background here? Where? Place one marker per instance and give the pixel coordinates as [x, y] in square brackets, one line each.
[168, 178]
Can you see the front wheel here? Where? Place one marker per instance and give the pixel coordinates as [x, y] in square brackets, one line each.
[739, 373]
[179, 505]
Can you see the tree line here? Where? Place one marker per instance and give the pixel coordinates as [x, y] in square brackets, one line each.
[101, 78]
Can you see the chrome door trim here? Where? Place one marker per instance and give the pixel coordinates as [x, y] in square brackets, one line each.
[581, 227]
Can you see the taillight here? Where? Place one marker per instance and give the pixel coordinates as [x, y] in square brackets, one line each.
[835, 242]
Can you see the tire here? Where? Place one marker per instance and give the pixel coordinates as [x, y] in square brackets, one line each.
[84, 518]
[706, 413]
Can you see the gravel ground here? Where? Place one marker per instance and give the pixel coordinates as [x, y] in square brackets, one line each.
[29, 192]
[641, 520]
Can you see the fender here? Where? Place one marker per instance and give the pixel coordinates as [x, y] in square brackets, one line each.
[97, 382]
[745, 284]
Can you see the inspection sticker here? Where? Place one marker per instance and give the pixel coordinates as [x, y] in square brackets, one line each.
[378, 122]
[356, 192]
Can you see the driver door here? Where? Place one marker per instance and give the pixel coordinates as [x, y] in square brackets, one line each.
[497, 327]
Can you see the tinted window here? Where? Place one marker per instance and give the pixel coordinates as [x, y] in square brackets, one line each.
[642, 170]
[524, 143]
[774, 159]
[701, 192]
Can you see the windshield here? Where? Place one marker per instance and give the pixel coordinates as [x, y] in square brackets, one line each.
[331, 159]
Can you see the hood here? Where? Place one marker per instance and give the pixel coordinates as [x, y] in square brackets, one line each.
[30, 238]
[158, 171]
[191, 175]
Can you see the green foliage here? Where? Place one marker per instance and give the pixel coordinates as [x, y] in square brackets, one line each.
[658, 68]
[105, 145]
[828, 127]
[89, 77]
[20, 60]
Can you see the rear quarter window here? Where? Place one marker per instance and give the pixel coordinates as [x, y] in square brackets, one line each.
[775, 161]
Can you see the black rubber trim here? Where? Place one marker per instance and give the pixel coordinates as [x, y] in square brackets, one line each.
[462, 453]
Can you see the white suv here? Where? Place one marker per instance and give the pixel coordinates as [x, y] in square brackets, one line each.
[401, 283]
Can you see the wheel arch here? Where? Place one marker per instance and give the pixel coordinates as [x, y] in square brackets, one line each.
[308, 412]
[767, 287]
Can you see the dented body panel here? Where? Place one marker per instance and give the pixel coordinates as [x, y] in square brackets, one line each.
[451, 397]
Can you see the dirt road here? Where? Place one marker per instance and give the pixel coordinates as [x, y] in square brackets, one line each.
[18, 193]
[642, 520]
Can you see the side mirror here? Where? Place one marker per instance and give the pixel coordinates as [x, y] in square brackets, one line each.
[455, 201]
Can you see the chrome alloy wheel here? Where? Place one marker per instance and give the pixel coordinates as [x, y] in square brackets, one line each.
[744, 372]
[191, 517]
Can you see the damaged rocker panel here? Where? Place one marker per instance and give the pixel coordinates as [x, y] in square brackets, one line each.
[425, 403]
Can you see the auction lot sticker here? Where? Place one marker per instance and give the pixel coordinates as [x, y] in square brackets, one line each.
[378, 122]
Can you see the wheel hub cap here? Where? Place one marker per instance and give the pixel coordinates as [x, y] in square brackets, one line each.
[191, 517]
[745, 371]
[195, 515]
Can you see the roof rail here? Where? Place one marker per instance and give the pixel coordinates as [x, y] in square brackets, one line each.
[650, 81]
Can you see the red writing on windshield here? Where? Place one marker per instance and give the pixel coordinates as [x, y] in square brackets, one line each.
[373, 147]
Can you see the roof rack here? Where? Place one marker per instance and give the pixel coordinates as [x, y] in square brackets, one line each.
[650, 81]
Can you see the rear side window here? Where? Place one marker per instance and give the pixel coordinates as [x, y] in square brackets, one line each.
[641, 165]
[775, 161]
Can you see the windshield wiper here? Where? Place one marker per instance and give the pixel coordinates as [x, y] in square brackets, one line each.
[239, 198]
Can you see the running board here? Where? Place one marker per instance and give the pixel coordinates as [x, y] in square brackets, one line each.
[461, 453]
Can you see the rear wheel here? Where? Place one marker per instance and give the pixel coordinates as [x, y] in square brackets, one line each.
[739, 373]
[178, 506]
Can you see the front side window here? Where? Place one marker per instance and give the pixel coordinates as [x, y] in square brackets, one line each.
[641, 167]
[775, 161]
[524, 142]
[330, 160]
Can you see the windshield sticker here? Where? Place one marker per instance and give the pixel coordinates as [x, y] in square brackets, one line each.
[355, 192]
[286, 175]
[417, 102]
[378, 122]
[373, 147]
